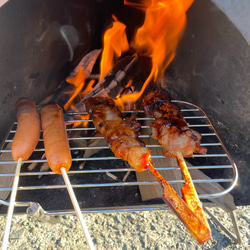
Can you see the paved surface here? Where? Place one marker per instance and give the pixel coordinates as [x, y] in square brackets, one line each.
[158, 230]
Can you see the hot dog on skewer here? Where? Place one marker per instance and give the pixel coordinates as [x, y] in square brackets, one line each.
[56, 144]
[28, 129]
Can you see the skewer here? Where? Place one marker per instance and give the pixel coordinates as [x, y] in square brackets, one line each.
[188, 190]
[11, 205]
[77, 209]
[200, 231]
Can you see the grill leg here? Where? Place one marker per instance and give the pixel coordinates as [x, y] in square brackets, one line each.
[237, 239]
[35, 210]
[236, 228]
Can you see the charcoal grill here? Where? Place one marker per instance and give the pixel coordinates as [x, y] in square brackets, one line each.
[216, 160]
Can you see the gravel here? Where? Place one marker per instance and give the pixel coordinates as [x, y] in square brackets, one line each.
[124, 230]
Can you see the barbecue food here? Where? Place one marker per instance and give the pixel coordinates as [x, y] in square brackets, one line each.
[169, 127]
[171, 130]
[28, 129]
[55, 138]
[122, 138]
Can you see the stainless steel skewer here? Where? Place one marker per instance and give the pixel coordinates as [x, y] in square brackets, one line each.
[11, 205]
[77, 209]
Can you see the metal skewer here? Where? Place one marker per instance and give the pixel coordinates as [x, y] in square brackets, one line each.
[77, 209]
[11, 205]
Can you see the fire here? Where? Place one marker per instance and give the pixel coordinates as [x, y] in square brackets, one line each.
[160, 33]
[78, 81]
[115, 43]
[158, 37]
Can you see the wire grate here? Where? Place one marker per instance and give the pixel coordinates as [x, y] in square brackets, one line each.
[217, 161]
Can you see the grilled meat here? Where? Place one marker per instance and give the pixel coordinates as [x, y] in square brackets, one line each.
[169, 127]
[121, 135]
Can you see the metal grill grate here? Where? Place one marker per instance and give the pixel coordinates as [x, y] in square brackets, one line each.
[217, 161]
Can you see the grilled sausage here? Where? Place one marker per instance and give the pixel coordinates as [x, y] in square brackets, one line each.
[55, 138]
[28, 129]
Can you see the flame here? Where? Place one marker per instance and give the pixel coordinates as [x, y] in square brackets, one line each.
[83, 124]
[158, 37]
[78, 81]
[80, 117]
[115, 43]
[142, 5]
[88, 88]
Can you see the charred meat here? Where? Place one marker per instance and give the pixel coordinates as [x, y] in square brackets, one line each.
[169, 127]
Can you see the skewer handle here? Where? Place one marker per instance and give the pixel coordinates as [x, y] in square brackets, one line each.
[200, 231]
[77, 209]
[189, 192]
[184, 169]
[11, 205]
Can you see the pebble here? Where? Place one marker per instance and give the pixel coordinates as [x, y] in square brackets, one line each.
[123, 231]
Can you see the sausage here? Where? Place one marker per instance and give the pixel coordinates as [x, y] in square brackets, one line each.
[56, 144]
[28, 129]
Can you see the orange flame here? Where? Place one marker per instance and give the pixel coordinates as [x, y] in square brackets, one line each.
[78, 81]
[158, 37]
[142, 5]
[88, 88]
[115, 43]
[83, 124]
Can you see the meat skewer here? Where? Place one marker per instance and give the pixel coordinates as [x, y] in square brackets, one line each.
[169, 127]
[58, 154]
[24, 142]
[171, 130]
[122, 138]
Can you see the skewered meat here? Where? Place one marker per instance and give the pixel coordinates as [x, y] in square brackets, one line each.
[170, 128]
[55, 138]
[122, 136]
[28, 129]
